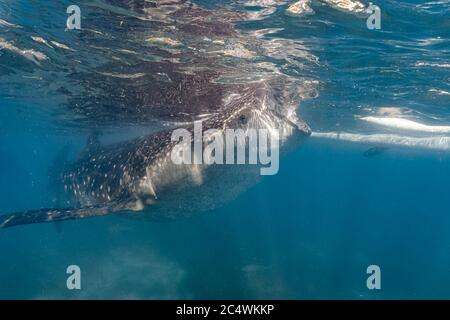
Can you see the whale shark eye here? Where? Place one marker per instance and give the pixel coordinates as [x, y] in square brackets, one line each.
[243, 119]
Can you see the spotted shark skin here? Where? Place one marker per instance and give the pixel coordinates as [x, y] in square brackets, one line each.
[139, 177]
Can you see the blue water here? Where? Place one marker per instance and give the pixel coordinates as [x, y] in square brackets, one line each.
[308, 232]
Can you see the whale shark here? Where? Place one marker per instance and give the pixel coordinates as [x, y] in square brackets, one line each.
[167, 62]
[138, 177]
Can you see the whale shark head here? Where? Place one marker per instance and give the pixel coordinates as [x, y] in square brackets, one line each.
[262, 106]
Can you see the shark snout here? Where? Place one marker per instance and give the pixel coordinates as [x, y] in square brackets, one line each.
[303, 127]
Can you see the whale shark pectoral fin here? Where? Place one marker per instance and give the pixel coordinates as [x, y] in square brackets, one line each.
[58, 214]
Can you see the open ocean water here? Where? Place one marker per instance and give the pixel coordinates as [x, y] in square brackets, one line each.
[360, 191]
